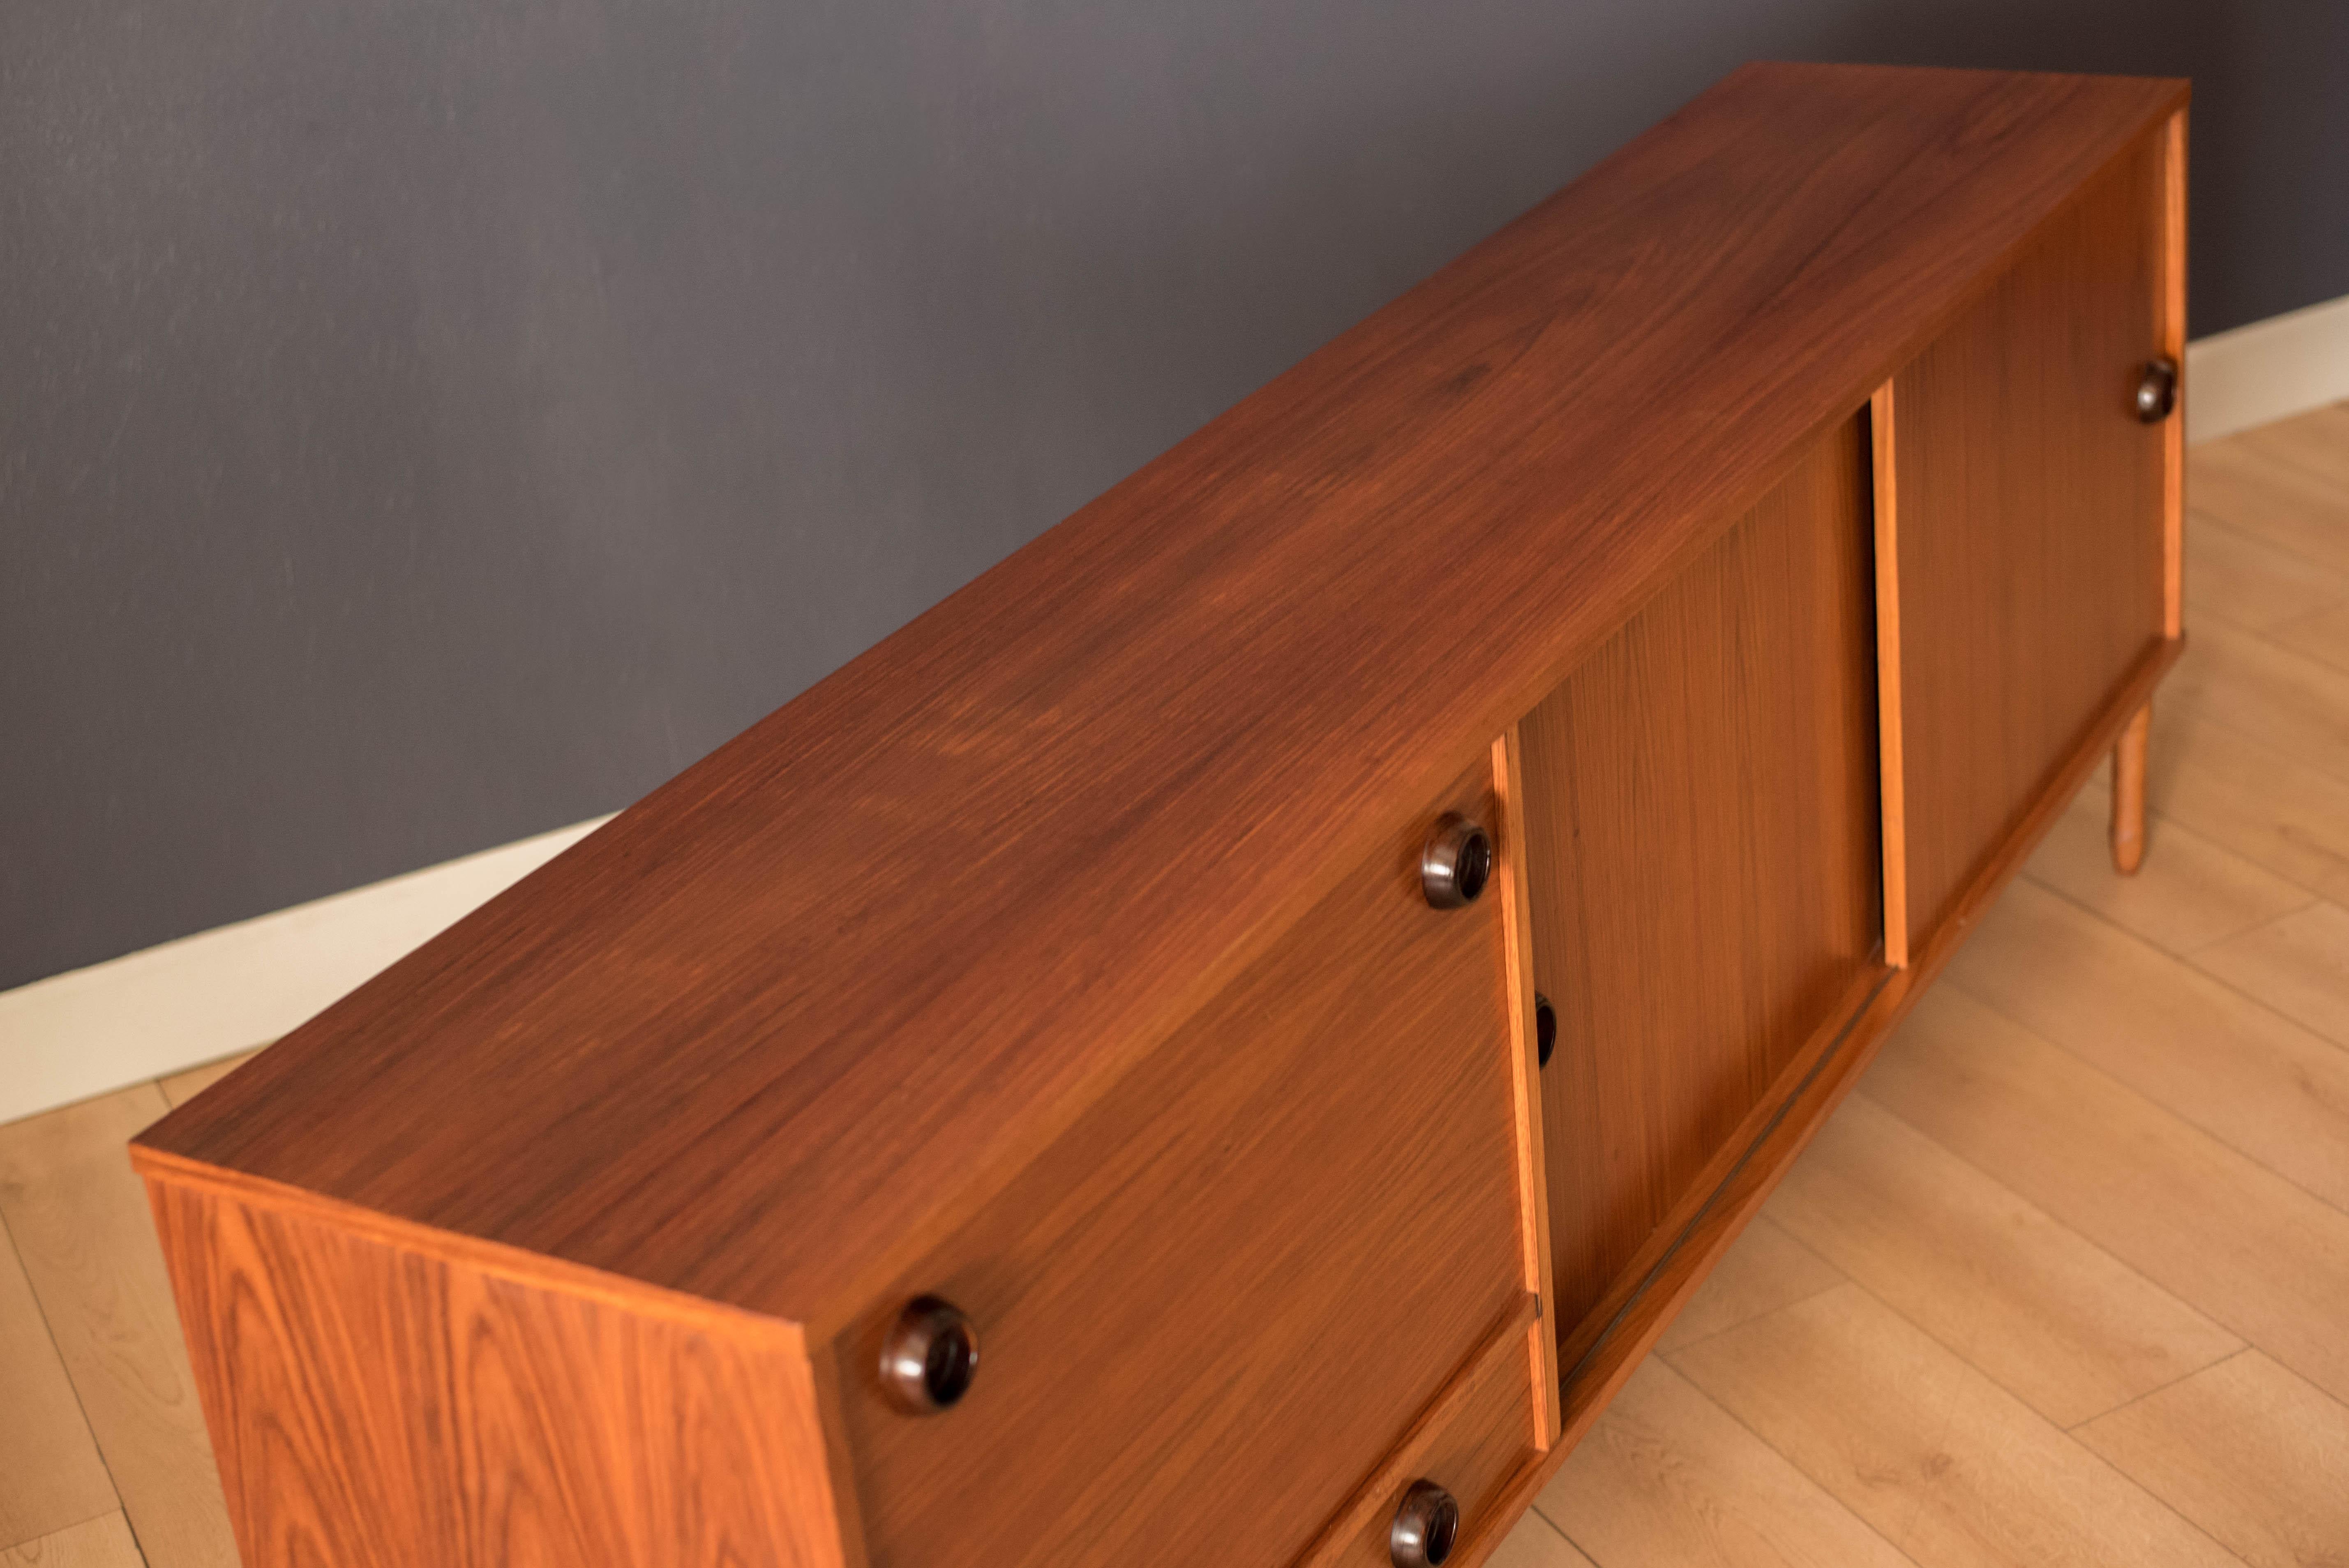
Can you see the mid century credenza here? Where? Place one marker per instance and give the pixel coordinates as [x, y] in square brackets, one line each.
[1226, 1040]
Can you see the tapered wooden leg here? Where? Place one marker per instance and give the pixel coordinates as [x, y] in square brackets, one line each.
[2128, 793]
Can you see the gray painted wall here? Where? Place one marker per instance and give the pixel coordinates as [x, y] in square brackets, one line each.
[425, 422]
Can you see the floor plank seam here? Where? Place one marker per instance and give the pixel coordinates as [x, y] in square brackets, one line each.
[1543, 1521]
[81, 1403]
[2219, 721]
[2158, 1500]
[2318, 477]
[2188, 956]
[2084, 1240]
[2203, 515]
[1955, 983]
[1596, 1562]
[132, 1525]
[2065, 1434]
[1842, 1279]
[2157, 827]
[2192, 703]
[1786, 1458]
[7, 1546]
[2238, 989]
[1968, 1357]
[2248, 1349]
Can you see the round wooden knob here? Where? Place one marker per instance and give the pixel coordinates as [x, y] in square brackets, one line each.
[2156, 391]
[1426, 1524]
[929, 1358]
[1545, 1029]
[1456, 863]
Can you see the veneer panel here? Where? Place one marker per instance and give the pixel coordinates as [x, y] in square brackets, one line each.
[385, 1408]
[1702, 849]
[1175, 1299]
[2031, 577]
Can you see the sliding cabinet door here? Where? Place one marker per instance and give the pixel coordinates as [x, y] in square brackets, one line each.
[2030, 508]
[1700, 800]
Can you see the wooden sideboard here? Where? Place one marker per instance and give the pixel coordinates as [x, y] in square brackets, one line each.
[1227, 1040]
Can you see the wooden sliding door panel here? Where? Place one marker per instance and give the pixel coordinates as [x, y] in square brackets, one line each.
[2031, 525]
[1701, 817]
[1245, 1272]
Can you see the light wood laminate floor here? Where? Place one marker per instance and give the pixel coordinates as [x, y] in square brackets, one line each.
[2065, 1282]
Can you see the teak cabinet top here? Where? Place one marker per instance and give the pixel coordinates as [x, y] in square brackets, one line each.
[765, 1037]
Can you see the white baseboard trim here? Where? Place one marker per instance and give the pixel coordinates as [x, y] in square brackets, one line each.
[2268, 370]
[185, 1003]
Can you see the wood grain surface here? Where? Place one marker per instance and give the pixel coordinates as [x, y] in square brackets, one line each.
[2057, 1322]
[1884, 499]
[2249, 1453]
[377, 1408]
[2223, 1062]
[1701, 840]
[2192, 893]
[181, 1088]
[1601, 1352]
[2250, 797]
[1767, 1269]
[2032, 531]
[1940, 1462]
[2273, 692]
[2294, 964]
[50, 1474]
[2173, 348]
[105, 1542]
[1476, 1440]
[864, 960]
[1243, 1274]
[80, 1225]
[1669, 1479]
[2251, 1251]
[2276, 490]
[1534, 1543]
[1525, 999]
[2260, 585]
[2128, 793]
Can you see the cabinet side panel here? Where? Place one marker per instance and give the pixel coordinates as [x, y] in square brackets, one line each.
[2032, 536]
[1701, 808]
[376, 1408]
